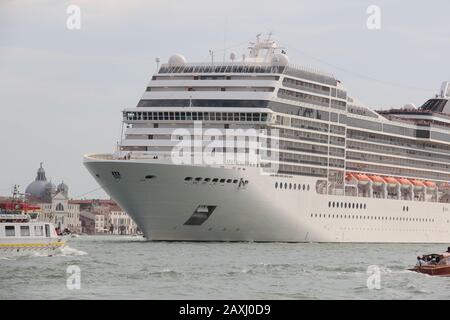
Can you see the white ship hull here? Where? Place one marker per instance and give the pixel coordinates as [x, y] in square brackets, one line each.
[258, 211]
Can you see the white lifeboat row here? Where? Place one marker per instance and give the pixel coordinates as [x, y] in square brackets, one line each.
[364, 179]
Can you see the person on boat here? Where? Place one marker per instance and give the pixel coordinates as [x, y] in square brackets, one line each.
[421, 261]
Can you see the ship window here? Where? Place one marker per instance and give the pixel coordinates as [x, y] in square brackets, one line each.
[207, 179]
[295, 186]
[10, 231]
[333, 204]
[24, 231]
[198, 179]
[59, 207]
[222, 180]
[290, 186]
[215, 179]
[38, 231]
[229, 180]
[285, 185]
[188, 179]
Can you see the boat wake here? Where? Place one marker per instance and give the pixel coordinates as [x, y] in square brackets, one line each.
[69, 251]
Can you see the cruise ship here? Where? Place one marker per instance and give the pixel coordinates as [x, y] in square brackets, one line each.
[259, 149]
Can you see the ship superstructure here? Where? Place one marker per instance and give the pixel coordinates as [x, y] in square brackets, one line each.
[327, 168]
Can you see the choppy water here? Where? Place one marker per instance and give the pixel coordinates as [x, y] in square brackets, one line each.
[130, 268]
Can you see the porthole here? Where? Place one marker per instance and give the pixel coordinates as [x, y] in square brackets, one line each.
[285, 185]
[357, 206]
[281, 186]
[295, 186]
[329, 204]
[303, 187]
[353, 205]
[333, 204]
[276, 185]
[290, 186]
[307, 187]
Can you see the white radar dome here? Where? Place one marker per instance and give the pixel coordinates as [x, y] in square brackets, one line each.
[280, 60]
[409, 106]
[177, 60]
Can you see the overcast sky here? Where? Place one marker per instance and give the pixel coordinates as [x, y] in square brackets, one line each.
[61, 90]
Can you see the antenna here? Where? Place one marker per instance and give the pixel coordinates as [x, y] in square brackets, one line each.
[211, 53]
[224, 40]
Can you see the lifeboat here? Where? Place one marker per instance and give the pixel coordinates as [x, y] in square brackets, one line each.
[362, 178]
[434, 264]
[349, 177]
[376, 180]
[418, 185]
[430, 185]
[405, 183]
[444, 186]
[391, 182]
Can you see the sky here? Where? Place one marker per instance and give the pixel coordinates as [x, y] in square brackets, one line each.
[62, 90]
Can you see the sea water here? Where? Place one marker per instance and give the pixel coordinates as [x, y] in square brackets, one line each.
[121, 267]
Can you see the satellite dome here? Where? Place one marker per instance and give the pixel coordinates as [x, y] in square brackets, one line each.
[177, 60]
[280, 60]
[409, 106]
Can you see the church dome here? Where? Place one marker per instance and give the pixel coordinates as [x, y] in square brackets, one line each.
[40, 188]
[62, 187]
[37, 189]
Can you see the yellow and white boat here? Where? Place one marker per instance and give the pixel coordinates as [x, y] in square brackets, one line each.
[22, 234]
